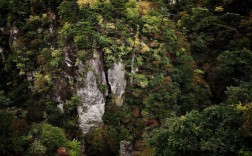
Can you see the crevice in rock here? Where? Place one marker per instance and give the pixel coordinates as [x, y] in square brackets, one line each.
[106, 73]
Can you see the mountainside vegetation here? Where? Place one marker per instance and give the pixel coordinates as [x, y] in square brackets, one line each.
[188, 68]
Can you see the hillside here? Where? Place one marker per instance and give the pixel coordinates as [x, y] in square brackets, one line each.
[160, 77]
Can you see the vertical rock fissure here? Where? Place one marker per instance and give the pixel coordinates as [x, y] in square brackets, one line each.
[106, 74]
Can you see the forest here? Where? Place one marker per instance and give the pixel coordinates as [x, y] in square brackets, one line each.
[125, 77]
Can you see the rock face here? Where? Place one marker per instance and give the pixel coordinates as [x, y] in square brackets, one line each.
[117, 82]
[173, 1]
[92, 90]
[126, 148]
[13, 37]
[92, 99]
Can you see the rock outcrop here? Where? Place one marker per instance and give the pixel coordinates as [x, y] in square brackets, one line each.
[117, 82]
[126, 148]
[92, 98]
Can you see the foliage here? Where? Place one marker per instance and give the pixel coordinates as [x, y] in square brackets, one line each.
[10, 141]
[74, 147]
[36, 148]
[47, 139]
[180, 57]
[4, 101]
[105, 141]
[239, 94]
[216, 130]
[236, 64]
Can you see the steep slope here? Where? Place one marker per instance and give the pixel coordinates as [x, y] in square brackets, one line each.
[105, 71]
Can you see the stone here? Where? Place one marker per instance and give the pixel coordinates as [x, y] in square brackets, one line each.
[92, 106]
[126, 148]
[117, 82]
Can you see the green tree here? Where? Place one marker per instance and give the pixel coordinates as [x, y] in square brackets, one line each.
[10, 132]
[239, 94]
[217, 130]
[47, 139]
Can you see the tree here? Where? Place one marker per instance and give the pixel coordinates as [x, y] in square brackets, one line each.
[11, 126]
[217, 130]
[47, 139]
[239, 94]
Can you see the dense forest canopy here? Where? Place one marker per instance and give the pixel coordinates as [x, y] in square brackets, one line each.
[172, 77]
